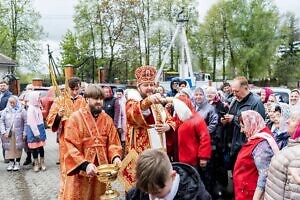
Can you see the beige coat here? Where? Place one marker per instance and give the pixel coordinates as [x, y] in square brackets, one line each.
[280, 183]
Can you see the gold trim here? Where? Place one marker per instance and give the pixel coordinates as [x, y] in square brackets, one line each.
[131, 157]
[146, 104]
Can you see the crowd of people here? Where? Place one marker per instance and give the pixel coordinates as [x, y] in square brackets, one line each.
[175, 145]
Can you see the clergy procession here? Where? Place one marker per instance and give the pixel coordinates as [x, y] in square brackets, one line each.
[199, 144]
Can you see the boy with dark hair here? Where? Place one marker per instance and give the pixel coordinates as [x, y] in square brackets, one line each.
[157, 178]
[58, 117]
[74, 82]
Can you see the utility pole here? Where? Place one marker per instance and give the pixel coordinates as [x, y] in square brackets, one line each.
[185, 67]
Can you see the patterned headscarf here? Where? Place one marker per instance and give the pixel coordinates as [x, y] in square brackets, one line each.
[253, 125]
[253, 122]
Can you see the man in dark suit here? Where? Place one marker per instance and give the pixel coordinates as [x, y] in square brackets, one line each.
[4, 95]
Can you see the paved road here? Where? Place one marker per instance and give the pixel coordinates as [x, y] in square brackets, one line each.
[28, 185]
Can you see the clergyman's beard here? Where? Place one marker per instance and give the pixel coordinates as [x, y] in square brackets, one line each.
[95, 111]
[144, 95]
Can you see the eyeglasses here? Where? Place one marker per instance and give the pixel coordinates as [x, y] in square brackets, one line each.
[175, 83]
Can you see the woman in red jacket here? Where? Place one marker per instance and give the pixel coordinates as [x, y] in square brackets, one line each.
[194, 147]
[250, 169]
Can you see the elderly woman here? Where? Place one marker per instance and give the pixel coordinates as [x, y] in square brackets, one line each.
[250, 170]
[294, 97]
[279, 115]
[265, 93]
[12, 126]
[283, 177]
[214, 175]
[264, 96]
[193, 143]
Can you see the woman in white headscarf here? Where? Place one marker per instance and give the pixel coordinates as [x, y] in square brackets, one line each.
[12, 126]
[35, 130]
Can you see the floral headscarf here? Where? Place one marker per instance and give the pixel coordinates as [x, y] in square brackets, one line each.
[253, 122]
[253, 125]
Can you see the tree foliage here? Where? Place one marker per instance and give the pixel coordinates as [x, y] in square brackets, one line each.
[287, 66]
[244, 34]
[240, 36]
[20, 32]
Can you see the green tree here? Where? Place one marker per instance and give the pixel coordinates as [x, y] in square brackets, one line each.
[22, 32]
[287, 66]
[213, 32]
[69, 50]
[247, 31]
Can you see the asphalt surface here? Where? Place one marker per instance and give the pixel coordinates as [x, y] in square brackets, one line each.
[26, 184]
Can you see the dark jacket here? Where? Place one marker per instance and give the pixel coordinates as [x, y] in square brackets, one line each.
[190, 186]
[173, 92]
[112, 107]
[4, 99]
[250, 102]
[282, 140]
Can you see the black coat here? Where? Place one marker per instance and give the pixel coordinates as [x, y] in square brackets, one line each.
[4, 99]
[173, 92]
[237, 139]
[109, 106]
[190, 186]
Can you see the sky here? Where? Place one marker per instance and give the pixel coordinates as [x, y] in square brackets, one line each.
[56, 18]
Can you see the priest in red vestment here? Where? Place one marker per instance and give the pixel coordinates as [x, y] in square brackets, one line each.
[147, 121]
[91, 139]
[56, 119]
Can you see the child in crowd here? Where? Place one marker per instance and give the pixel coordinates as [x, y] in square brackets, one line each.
[35, 131]
[171, 181]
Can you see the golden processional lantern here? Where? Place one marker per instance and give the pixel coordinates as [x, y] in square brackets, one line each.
[62, 96]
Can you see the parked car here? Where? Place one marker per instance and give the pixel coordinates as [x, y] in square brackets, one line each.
[24, 94]
[282, 94]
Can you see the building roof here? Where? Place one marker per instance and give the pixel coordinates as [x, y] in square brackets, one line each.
[7, 61]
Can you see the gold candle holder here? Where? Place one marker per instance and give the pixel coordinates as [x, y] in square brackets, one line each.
[107, 173]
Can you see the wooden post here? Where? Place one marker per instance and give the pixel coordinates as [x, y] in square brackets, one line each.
[69, 71]
[14, 86]
[101, 74]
